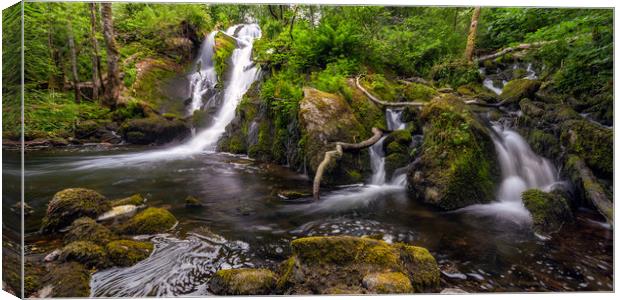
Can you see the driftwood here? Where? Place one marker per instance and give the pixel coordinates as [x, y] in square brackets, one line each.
[594, 192]
[336, 154]
[384, 103]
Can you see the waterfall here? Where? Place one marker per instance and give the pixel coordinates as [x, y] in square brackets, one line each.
[243, 73]
[204, 77]
[393, 121]
[377, 162]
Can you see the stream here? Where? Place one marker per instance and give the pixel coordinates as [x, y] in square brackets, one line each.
[244, 223]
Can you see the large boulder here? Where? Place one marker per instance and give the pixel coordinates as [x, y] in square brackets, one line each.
[86, 229]
[70, 204]
[154, 130]
[396, 149]
[457, 165]
[325, 119]
[149, 221]
[518, 89]
[87, 253]
[320, 265]
[549, 210]
[243, 282]
[126, 253]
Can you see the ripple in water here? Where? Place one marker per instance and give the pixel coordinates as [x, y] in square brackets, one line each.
[176, 267]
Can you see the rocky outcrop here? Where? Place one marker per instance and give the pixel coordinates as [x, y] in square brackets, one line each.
[518, 89]
[353, 265]
[71, 204]
[444, 175]
[549, 210]
[396, 149]
[154, 130]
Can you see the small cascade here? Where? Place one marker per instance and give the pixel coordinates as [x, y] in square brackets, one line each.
[204, 78]
[393, 121]
[377, 162]
[495, 81]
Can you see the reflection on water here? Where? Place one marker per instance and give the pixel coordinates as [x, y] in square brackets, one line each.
[253, 226]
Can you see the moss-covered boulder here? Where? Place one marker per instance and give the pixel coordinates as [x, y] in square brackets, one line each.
[135, 199]
[192, 202]
[243, 282]
[70, 204]
[396, 149]
[477, 91]
[86, 229]
[325, 119]
[69, 279]
[419, 92]
[549, 210]
[87, 253]
[455, 73]
[321, 264]
[387, 283]
[594, 143]
[149, 221]
[517, 89]
[127, 252]
[457, 164]
[154, 130]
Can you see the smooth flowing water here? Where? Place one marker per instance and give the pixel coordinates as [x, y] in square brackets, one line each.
[204, 78]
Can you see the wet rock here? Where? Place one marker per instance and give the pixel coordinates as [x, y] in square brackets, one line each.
[319, 264]
[192, 202]
[387, 283]
[549, 210]
[86, 229]
[87, 253]
[135, 199]
[149, 221]
[292, 194]
[127, 252]
[396, 149]
[243, 282]
[17, 208]
[154, 130]
[52, 256]
[70, 204]
[457, 165]
[121, 211]
[477, 91]
[591, 142]
[517, 89]
[69, 279]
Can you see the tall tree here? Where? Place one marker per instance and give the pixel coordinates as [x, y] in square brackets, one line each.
[74, 68]
[471, 37]
[97, 76]
[112, 89]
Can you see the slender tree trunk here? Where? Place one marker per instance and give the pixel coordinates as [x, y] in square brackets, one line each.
[112, 89]
[456, 18]
[97, 76]
[74, 69]
[471, 37]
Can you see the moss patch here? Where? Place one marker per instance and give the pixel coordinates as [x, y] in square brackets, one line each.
[127, 252]
[224, 47]
[517, 89]
[86, 229]
[135, 199]
[149, 221]
[243, 282]
[68, 279]
[70, 204]
[87, 253]
[387, 283]
[549, 210]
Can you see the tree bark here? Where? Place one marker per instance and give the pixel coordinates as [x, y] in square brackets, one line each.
[112, 89]
[337, 154]
[471, 37]
[97, 76]
[74, 69]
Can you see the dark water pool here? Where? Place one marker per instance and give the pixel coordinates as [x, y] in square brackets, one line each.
[243, 222]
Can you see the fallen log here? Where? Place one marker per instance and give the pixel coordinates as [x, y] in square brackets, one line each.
[336, 154]
[384, 103]
[522, 47]
[594, 192]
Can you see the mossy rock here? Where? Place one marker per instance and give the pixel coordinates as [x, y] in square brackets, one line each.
[150, 221]
[419, 92]
[395, 161]
[591, 142]
[87, 229]
[243, 282]
[135, 199]
[458, 164]
[192, 202]
[85, 129]
[477, 91]
[154, 130]
[87, 253]
[549, 210]
[387, 283]
[224, 47]
[126, 253]
[200, 119]
[455, 73]
[69, 279]
[70, 204]
[320, 264]
[517, 89]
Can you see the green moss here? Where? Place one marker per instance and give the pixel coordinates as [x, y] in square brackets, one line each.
[154, 129]
[68, 279]
[148, 85]
[421, 267]
[455, 73]
[388, 283]
[419, 92]
[477, 91]
[31, 285]
[199, 119]
[149, 221]
[395, 161]
[192, 201]
[341, 250]
[70, 204]
[517, 89]
[224, 47]
[135, 199]
[87, 253]
[287, 272]
[591, 142]
[127, 252]
[383, 88]
[549, 210]
[243, 282]
[86, 229]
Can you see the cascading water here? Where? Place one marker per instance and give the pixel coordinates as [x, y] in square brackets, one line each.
[522, 169]
[242, 74]
[393, 121]
[204, 78]
[377, 162]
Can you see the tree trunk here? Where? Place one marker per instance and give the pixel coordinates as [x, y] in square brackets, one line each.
[74, 70]
[112, 89]
[97, 76]
[471, 37]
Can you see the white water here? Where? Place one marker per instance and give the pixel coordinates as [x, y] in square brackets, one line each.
[377, 162]
[204, 78]
[522, 169]
[242, 74]
[393, 121]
